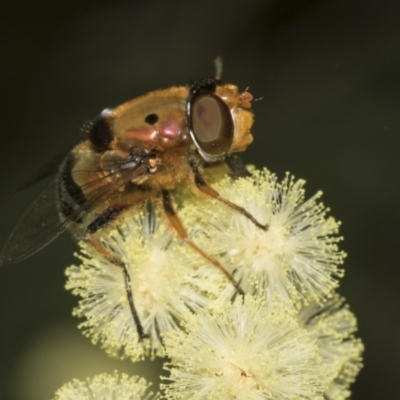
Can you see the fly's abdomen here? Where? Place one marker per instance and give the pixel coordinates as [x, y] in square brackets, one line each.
[70, 195]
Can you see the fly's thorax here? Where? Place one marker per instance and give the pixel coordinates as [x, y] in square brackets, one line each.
[216, 119]
[154, 121]
[174, 170]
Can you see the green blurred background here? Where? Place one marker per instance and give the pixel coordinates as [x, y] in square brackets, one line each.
[328, 73]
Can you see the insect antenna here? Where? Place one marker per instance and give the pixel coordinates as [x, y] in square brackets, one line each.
[218, 63]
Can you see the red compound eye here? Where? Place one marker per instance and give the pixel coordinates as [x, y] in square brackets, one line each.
[212, 127]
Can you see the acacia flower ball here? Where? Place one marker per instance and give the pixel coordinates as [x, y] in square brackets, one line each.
[333, 325]
[244, 350]
[164, 284]
[295, 259]
[106, 387]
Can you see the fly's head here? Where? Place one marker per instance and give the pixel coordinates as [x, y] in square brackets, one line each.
[219, 119]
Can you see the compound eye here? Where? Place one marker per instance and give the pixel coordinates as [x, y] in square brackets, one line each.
[212, 126]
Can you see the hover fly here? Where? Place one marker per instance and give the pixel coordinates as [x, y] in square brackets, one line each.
[137, 153]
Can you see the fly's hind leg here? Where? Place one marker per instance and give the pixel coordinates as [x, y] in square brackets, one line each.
[181, 231]
[209, 191]
[104, 218]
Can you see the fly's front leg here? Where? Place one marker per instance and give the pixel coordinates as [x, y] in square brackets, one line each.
[104, 218]
[209, 191]
[181, 231]
[237, 169]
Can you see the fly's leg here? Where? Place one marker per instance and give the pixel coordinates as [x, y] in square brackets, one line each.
[181, 231]
[104, 218]
[237, 169]
[209, 191]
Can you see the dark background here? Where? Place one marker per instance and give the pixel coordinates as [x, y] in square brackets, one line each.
[329, 75]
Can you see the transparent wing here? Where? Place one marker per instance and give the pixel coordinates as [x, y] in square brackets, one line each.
[38, 226]
[49, 169]
[41, 223]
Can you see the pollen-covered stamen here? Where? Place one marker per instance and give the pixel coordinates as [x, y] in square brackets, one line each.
[164, 284]
[243, 350]
[105, 386]
[333, 326]
[296, 259]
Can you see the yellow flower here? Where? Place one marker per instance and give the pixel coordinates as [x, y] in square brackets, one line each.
[106, 387]
[244, 350]
[295, 259]
[286, 339]
[333, 326]
[165, 286]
